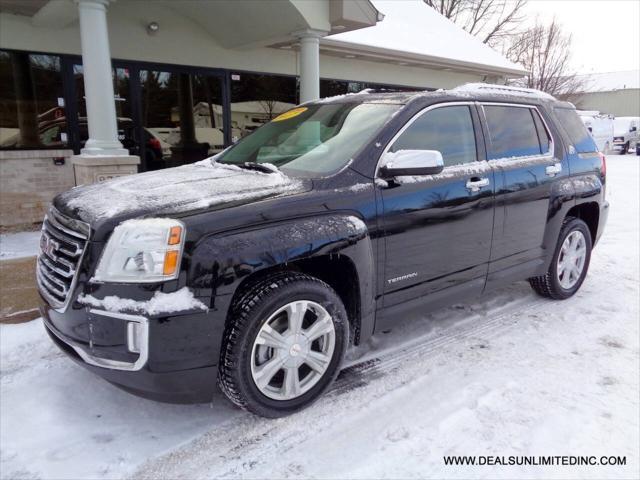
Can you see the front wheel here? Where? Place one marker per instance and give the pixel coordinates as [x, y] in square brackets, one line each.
[283, 345]
[569, 264]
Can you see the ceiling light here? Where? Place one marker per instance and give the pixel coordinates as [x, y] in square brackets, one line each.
[349, 56]
[339, 27]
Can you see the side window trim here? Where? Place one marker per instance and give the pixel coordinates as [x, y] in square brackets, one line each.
[548, 155]
[470, 104]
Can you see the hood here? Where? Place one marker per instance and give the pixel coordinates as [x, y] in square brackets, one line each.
[199, 186]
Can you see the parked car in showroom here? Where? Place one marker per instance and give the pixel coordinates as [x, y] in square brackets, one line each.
[626, 135]
[259, 267]
[52, 132]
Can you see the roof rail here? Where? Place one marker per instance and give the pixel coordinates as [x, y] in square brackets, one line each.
[502, 90]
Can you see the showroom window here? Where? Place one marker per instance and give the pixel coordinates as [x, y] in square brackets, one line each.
[32, 113]
[182, 116]
[256, 99]
[331, 88]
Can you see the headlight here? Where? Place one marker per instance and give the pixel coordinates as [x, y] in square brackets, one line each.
[142, 251]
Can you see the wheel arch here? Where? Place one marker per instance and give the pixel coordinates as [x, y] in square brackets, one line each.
[589, 213]
[335, 248]
[336, 270]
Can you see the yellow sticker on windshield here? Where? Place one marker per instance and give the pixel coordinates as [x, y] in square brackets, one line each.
[290, 114]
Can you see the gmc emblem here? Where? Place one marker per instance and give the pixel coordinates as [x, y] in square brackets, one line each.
[48, 245]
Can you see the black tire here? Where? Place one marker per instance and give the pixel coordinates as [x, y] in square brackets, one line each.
[548, 285]
[625, 149]
[247, 315]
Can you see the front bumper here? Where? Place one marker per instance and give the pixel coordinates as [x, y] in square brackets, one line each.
[171, 358]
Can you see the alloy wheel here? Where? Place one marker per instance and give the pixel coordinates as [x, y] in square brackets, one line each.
[292, 350]
[571, 260]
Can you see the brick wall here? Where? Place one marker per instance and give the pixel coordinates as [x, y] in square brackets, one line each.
[29, 179]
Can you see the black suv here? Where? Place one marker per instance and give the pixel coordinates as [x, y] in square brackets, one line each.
[257, 268]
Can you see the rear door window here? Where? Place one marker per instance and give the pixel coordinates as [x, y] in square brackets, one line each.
[575, 130]
[512, 132]
[543, 134]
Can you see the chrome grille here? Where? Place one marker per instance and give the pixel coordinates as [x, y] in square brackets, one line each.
[62, 245]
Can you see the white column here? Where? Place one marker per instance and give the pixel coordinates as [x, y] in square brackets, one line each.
[309, 64]
[98, 81]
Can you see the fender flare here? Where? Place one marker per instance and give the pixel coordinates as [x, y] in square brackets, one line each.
[221, 262]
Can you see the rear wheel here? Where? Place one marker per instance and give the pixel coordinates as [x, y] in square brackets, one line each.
[283, 345]
[570, 262]
[625, 149]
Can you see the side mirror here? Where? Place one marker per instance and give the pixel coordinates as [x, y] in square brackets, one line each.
[633, 129]
[411, 162]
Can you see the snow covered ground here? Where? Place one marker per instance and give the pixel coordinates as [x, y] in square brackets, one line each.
[19, 245]
[507, 374]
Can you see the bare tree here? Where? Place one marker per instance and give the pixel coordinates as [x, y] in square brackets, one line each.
[490, 20]
[544, 51]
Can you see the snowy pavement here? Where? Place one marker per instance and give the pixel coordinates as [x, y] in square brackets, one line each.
[507, 374]
[19, 245]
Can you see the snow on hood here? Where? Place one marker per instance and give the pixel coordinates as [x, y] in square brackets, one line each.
[190, 187]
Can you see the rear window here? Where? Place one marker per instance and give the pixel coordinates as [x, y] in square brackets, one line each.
[513, 132]
[575, 129]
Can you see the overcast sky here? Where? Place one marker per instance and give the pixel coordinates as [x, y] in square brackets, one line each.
[606, 33]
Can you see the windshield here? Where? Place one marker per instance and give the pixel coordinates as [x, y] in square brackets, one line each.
[314, 140]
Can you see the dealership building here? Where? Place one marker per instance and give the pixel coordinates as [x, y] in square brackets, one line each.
[92, 89]
[613, 93]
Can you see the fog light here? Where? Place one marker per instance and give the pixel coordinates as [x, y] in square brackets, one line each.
[134, 336]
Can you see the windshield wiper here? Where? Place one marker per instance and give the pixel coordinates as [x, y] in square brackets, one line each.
[258, 166]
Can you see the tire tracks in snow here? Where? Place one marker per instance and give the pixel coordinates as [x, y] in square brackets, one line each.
[239, 446]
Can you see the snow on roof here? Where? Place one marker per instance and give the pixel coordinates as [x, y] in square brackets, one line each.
[411, 27]
[608, 81]
[479, 88]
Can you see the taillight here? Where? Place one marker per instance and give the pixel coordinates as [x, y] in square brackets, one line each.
[154, 143]
[603, 164]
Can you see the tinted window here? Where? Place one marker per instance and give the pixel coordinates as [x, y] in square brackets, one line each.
[448, 130]
[30, 94]
[512, 132]
[575, 129]
[543, 135]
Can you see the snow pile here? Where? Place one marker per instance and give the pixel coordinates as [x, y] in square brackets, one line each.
[19, 245]
[355, 188]
[179, 301]
[359, 187]
[189, 187]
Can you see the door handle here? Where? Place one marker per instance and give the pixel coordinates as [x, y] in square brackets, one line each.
[475, 184]
[553, 170]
